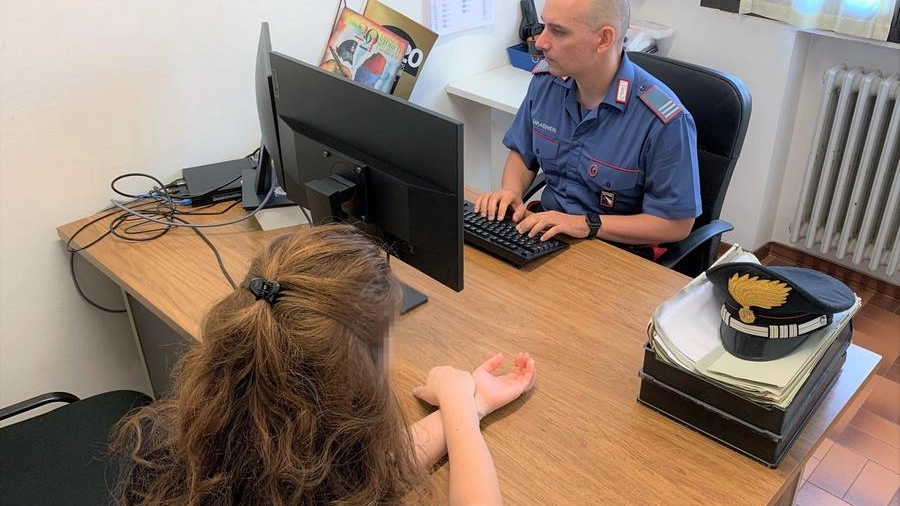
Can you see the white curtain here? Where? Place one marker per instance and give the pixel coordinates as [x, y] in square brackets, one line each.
[863, 18]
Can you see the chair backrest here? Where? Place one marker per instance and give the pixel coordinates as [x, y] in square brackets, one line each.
[61, 456]
[720, 104]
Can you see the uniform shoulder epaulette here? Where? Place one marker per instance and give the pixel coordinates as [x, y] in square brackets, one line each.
[665, 108]
[541, 67]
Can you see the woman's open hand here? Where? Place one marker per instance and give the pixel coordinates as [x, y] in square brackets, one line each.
[493, 392]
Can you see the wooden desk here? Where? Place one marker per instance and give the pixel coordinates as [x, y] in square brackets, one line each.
[579, 437]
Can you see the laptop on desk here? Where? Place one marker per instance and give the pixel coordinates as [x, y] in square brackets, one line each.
[207, 184]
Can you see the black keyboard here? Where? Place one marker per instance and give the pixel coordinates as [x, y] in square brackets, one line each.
[500, 238]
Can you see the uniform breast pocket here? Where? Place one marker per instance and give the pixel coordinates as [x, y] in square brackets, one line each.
[600, 175]
[546, 149]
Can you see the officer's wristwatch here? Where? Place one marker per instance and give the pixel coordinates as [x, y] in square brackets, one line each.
[593, 223]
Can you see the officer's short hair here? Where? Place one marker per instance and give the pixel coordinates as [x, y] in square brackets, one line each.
[616, 13]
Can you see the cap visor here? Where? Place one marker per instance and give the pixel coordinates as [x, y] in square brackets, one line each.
[756, 348]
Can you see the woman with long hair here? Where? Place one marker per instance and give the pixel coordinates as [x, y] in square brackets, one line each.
[286, 399]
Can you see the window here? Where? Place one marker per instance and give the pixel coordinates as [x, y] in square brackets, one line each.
[873, 19]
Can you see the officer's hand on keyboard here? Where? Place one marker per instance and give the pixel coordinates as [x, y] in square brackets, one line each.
[548, 224]
[495, 205]
[500, 238]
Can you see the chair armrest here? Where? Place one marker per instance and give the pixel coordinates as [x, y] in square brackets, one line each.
[36, 402]
[536, 185]
[678, 250]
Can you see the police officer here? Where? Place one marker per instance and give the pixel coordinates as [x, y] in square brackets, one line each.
[617, 148]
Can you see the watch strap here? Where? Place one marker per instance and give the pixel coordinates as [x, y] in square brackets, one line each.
[594, 223]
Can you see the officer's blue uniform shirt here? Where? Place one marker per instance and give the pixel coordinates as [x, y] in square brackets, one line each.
[634, 153]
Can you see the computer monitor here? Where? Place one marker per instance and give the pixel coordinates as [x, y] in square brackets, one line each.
[256, 182]
[388, 166]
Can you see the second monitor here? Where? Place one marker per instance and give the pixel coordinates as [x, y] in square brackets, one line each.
[351, 153]
[257, 182]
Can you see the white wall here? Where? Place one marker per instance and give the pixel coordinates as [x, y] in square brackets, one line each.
[90, 90]
[96, 88]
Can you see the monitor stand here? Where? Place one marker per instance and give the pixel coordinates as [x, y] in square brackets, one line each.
[251, 200]
[411, 298]
[325, 199]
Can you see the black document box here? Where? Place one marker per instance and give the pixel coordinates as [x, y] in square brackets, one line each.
[764, 433]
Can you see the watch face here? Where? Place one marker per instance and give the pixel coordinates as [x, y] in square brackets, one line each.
[593, 221]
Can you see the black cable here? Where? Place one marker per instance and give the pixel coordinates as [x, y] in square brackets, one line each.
[81, 292]
[159, 209]
[207, 206]
[72, 251]
[159, 185]
[118, 223]
[130, 225]
[130, 232]
[218, 258]
[111, 212]
[306, 215]
[210, 191]
[160, 231]
[262, 205]
[215, 252]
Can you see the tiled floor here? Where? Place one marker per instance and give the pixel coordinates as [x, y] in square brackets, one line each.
[859, 462]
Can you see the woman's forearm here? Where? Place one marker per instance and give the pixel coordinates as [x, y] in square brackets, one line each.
[473, 479]
[428, 436]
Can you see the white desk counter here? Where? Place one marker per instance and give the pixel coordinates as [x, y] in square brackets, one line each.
[500, 91]
[502, 88]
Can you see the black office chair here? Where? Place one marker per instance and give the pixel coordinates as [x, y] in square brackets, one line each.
[60, 457]
[720, 104]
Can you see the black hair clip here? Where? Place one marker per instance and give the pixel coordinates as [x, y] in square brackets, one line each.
[263, 289]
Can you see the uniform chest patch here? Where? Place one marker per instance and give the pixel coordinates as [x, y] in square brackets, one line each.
[607, 199]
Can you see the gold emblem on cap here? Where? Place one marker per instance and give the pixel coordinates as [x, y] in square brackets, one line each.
[751, 291]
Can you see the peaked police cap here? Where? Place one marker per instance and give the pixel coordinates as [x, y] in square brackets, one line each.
[767, 312]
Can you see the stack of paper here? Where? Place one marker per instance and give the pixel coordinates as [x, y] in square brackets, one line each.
[684, 332]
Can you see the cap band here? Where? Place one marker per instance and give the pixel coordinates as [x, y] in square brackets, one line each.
[786, 331]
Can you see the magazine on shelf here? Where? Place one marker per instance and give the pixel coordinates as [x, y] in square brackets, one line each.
[364, 51]
[420, 40]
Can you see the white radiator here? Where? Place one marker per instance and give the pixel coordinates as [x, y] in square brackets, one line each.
[850, 199]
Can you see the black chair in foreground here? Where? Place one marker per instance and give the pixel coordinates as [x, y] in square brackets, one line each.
[720, 104]
[61, 456]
